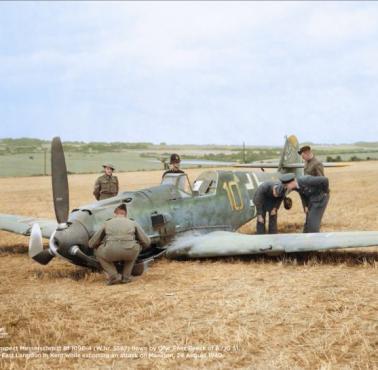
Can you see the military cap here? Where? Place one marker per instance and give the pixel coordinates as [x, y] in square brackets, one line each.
[279, 190]
[304, 149]
[175, 158]
[287, 177]
[108, 165]
[121, 207]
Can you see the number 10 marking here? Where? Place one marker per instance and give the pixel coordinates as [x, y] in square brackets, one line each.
[236, 204]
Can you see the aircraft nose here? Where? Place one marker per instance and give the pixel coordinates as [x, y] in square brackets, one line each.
[70, 241]
[69, 235]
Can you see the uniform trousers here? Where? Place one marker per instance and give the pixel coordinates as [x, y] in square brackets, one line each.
[108, 253]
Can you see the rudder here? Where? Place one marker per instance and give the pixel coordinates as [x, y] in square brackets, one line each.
[290, 155]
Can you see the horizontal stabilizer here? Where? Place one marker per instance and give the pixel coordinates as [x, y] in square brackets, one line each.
[288, 165]
[224, 243]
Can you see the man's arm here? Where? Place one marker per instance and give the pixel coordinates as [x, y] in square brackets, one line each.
[97, 189]
[142, 237]
[319, 169]
[117, 184]
[304, 203]
[258, 199]
[277, 203]
[304, 200]
[97, 238]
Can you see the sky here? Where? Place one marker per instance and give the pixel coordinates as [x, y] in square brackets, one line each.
[189, 72]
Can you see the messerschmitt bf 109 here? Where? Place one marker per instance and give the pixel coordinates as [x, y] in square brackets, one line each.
[183, 220]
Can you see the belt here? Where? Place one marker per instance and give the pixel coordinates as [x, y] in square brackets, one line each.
[120, 240]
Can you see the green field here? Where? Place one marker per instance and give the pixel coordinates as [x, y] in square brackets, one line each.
[31, 157]
[28, 164]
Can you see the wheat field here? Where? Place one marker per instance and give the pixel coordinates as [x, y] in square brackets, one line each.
[304, 311]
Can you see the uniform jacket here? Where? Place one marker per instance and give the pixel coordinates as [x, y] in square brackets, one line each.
[122, 232]
[313, 167]
[313, 190]
[264, 199]
[106, 187]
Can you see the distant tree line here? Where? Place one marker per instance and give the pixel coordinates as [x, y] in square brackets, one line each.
[353, 158]
[104, 147]
[239, 156]
[27, 145]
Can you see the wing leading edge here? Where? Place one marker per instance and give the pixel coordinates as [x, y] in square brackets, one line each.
[23, 224]
[224, 243]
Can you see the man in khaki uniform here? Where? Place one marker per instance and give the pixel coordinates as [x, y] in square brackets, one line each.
[106, 186]
[312, 165]
[119, 239]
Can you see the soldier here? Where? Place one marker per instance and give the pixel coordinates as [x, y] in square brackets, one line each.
[268, 198]
[119, 239]
[106, 186]
[175, 165]
[314, 193]
[312, 165]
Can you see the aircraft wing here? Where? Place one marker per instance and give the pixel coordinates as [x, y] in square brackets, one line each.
[225, 243]
[287, 165]
[23, 224]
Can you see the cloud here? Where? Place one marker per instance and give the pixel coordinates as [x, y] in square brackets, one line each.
[334, 23]
[220, 71]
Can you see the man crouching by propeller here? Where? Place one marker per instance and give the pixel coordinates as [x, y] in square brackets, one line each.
[119, 239]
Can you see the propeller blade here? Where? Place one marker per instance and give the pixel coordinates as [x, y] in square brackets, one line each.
[36, 250]
[59, 181]
[35, 241]
[44, 257]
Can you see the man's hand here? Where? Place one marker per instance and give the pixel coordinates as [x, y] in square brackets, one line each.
[260, 219]
[273, 212]
[305, 210]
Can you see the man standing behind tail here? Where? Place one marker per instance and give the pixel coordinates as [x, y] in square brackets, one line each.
[268, 198]
[106, 186]
[119, 239]
[312, 165]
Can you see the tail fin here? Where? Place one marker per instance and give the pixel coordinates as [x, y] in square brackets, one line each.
[290, 161]
[290, 156]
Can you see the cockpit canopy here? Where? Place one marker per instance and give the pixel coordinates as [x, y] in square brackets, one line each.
[205, 184]
[180, 181]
